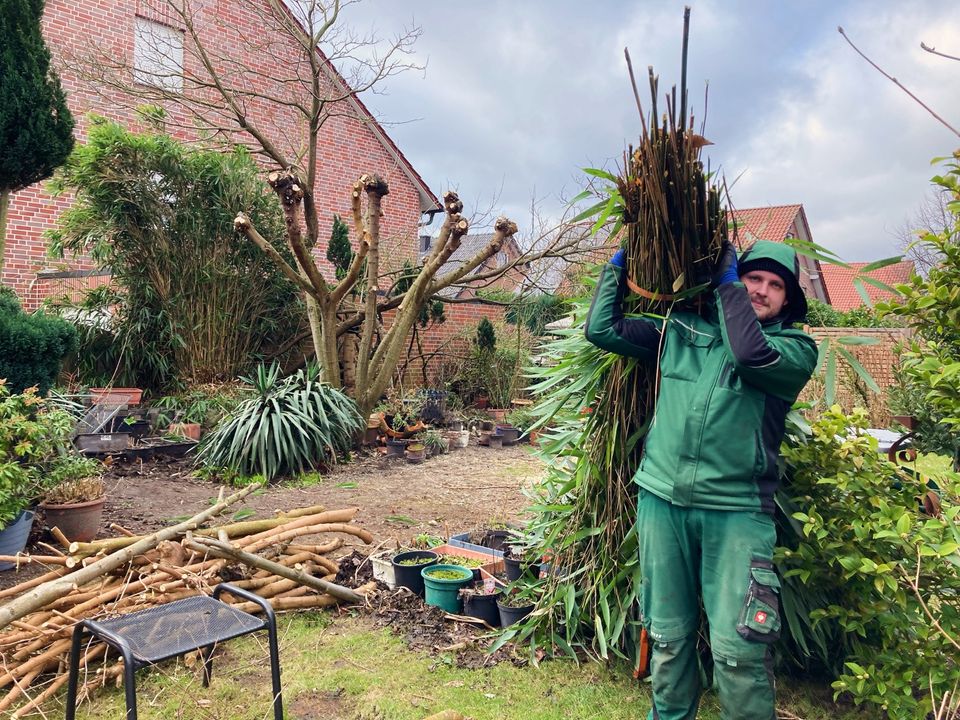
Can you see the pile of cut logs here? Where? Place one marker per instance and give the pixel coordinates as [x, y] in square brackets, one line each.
[129, 573]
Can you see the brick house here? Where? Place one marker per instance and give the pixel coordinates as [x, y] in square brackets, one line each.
[351, 142]
[844, 296]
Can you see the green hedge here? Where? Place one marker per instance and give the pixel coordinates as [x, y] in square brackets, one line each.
[32, 347]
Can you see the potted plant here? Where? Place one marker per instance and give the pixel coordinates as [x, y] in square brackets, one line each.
[73, 503]
[481, 602]
[434, 440]
[442, 585]
[416, 452]
[514, 604]
[407, 566]
[33, 433]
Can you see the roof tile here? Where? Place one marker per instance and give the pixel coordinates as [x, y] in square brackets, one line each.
[844, 296]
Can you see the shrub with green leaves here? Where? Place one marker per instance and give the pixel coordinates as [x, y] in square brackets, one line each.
[193, 301]
[33, 438]
[32, 347]
[876, 574]
[293, 424]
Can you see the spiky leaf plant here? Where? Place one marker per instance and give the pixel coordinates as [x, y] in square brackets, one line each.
[292, 425]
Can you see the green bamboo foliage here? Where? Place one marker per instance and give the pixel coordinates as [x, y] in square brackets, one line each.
[672, 224]
[292, 425]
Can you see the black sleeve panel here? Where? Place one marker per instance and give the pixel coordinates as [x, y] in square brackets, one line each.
[606, 326]
[741, 328]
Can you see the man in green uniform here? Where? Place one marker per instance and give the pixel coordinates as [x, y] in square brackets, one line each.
[728, 377]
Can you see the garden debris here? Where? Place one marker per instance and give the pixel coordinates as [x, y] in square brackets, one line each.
[430, 629]
[273, 558]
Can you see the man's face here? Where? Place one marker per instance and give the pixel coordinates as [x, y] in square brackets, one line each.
[768, 295]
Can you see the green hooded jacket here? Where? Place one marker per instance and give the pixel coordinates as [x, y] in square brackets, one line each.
[726, 384]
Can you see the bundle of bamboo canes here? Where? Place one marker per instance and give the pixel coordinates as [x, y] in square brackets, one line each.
[130, 573]
[667, 210]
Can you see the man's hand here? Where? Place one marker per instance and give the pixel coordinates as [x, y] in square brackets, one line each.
[726, 270]
[619, 258]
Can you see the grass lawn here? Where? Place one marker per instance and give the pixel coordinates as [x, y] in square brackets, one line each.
[344, 670]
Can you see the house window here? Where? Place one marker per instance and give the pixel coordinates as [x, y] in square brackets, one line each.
[425, 242]
[157, 55]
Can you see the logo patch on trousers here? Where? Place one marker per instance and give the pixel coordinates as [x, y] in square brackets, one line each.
[760, 617]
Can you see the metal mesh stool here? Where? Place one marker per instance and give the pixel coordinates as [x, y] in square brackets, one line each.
[196, 623]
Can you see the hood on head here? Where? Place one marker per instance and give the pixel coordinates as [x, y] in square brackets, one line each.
[762, 252]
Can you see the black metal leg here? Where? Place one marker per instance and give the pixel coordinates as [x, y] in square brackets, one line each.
[129, 683]
[275, 667]
[74, 671]
[206, 655]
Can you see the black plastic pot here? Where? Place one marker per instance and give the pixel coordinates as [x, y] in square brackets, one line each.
[408, 576]
[396, 448]
[517, 568]
[509, 615]
[496, 539]
[509, 433]
[483, 607]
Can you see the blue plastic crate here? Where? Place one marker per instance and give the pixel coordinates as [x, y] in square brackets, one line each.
[462, 542]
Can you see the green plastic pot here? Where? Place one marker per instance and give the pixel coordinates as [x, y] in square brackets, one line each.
[444, 592]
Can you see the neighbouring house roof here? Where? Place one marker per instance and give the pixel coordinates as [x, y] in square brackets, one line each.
[775, 222]
[843, 294]
[470, 245]
[778, 223]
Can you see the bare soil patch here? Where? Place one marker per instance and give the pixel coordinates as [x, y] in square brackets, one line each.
[456, 492]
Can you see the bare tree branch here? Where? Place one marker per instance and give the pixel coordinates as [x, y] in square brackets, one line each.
[899, 84]
[934, 51]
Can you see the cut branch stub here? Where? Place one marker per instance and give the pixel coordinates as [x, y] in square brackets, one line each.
[375, 185]
[506, 226]
[287, 186]
[241, 223]
[452, 203]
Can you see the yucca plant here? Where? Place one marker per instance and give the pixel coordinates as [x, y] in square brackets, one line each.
[293, 424]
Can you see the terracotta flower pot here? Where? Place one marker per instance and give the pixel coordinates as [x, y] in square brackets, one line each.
[77, 521]
[187, 430]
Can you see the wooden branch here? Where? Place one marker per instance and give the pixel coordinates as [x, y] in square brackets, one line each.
[243, 225]
[215, 547]
[347, 529]
[233, 530]
[49, 591]
[261, 539]
[503, 229]
[290, 191]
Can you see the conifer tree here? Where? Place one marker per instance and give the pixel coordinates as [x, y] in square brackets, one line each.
[339, 251]
[36, 128]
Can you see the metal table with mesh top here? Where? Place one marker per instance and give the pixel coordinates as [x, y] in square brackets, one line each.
[196, 623]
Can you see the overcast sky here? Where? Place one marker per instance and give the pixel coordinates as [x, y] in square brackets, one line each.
[518, 96]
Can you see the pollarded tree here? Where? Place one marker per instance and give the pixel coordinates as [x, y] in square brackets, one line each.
[285, 73]
[36, 128]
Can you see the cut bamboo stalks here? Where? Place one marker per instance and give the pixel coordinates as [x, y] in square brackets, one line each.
[127, 574]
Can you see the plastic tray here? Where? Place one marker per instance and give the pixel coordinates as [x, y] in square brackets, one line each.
[461, 541]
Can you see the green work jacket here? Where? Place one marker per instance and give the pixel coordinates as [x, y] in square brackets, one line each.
[726, 385]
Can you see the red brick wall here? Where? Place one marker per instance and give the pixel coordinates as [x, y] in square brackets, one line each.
[449, 340]
[880, 360]
[348, 147]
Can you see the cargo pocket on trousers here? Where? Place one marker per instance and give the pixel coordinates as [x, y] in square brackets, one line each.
[760, 615]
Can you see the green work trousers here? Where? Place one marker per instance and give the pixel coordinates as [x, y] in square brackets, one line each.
[723, 557]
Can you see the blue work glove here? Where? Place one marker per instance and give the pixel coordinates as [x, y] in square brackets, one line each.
[726, 271]
[619, 258]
